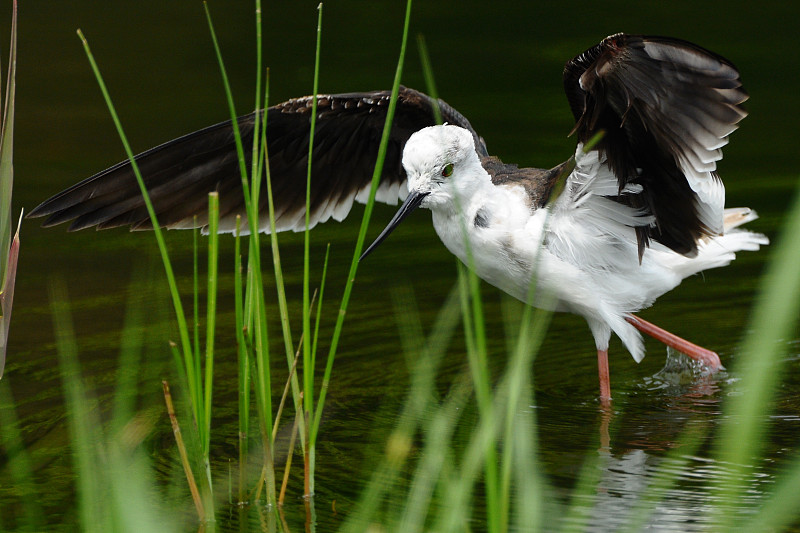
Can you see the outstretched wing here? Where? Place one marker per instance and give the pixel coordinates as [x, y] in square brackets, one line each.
[179, 174]
[666, 107]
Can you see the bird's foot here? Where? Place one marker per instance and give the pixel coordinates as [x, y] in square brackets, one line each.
[698, 353]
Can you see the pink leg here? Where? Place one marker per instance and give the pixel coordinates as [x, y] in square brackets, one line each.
[605, 379]
[707, 357]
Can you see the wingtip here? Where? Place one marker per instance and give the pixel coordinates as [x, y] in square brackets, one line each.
[38, 211]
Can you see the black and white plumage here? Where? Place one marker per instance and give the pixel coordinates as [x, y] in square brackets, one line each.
[666, 107]
[180, 173]
[639, 212]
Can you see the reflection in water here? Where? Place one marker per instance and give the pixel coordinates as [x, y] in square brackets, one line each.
[673, 493]
[655, 470]
[605, 420]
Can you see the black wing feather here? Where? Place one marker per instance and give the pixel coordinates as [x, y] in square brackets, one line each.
[663, 103]
[179, 174]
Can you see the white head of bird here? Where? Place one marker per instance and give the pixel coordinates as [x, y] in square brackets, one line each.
[444, 175]
[441, 162]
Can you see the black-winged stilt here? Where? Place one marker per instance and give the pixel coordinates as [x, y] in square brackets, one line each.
[639, 211]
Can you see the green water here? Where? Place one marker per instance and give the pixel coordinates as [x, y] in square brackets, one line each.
[499, 64]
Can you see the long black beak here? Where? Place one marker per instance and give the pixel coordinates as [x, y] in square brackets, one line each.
[412, 202]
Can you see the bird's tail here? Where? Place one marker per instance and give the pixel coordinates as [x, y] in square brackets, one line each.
[734, 217]
[720, 250]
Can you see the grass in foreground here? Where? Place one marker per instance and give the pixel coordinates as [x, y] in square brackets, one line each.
[9, 247]
[252, 333]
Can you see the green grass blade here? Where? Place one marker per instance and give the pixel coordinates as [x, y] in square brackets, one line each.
[244, 364]
[574, 518]
[211, 314]
[7, 151]
[319, 305]
[261, 363]
[459, 491]
[211, 309]
[257, 130]
[777, 308]
[84, 428]
[130, 355]
[438, 433]
[283, 308]
[195, 386]
[530, 487]
[255, 307]
[114, 478]
[308, 367]
[780, 510]
[251, 207]
[507, 398]
[418, 400]
[9, 248]
[186, 348]
[427, 72]
[363, 229]
[130, 481]
[521, 420]
[18, 462]
[196, 296]
[475, 335]
[254, 270]
[234, 123]
[7, 296]
[257, 303]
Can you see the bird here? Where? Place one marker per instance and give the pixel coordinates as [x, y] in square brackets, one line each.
[637, 208]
